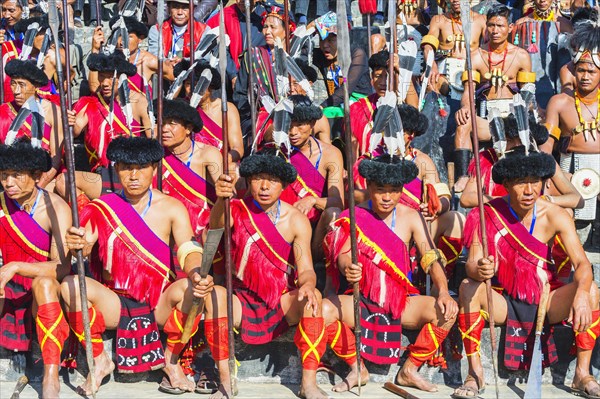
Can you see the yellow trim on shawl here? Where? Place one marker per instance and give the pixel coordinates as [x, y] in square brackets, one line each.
[115, 117]
[452, 249]
[183, 183]
[134, 86]
[264, 239]
[105, 208]
[19, 233]
[568, 258]
[515, 237]
[411, 195]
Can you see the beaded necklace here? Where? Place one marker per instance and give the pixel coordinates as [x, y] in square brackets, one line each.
[457, 38]
[587, 127]
[334, 78]
[496, 75]
[540, 15]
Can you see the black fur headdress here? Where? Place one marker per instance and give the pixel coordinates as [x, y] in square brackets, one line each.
[184, 65]
[304, 109]
[132, 25]
[384, 170]
[22, 25]
[412, 120]
[267, 161]
[28, 70]
[517, 165]
[21, 156]
[181, 111]
[109, 63]
[134, 150]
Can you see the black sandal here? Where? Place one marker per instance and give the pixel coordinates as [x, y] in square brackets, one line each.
[166, 387]
[464, 387]
[208, 383]
[580, 390]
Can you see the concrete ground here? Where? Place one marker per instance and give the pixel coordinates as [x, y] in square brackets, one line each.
[275, 391]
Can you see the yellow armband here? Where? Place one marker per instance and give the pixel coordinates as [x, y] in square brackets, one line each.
[442, 189]
[431, 40]
[188, 248]
[525, 77]
[430, 257]
[554, 131]
[476, 77]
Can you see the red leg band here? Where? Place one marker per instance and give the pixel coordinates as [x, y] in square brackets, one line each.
[174, 330]
[52, 331]
[587, 339]
[97, 327]
[311, 341]
[470, 326]
[451, 247]
[428, 341]
[342, 341]
[217, 337]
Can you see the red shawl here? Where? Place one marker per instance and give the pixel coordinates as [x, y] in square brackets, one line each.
[487, 159]
[264, 260]
[384, 256]
[309, 182]
[362, 115]
[8, 112]
[182, 183]
[138, 261]
[211, 133]
[167, 29]
[98, 135]
[519, 255]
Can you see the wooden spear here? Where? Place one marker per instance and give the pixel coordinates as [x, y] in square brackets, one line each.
[65, 105]
[192, 44]
[160, 18]
[250, 66]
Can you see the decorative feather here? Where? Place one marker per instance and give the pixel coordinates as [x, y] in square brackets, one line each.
[299, 76]
[150, 103]
[133, 8]
[178, 83]
[25, 7]
[385, 108]
[111, 105]
[44, 48]
[28, 38]
[208, 42]
[528, 94]
[200, 88]
[282, 120]
[301, 42]
[124, 99]
[343, 38]
[497, 131]
[17, 123]
[404, 25]
[521, 115]
[408, 56]
[428, 66]
[393, 136]
[37, 121]
[280, 70]
[268, 103]
[118, 30]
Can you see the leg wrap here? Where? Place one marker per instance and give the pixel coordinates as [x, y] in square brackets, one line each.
[97, 327]
[52, 331]
[311, 341]
[342, 341]
[587, 339]
[470, 326]
[174, 330]
[428, 341]
[217, 337]
[451, 247]
[462, 157]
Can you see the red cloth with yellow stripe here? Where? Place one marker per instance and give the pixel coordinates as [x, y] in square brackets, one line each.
[311, 340]
[52, 330]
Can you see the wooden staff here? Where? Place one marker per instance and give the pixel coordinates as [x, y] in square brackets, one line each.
[390, 386]
[393, 45]
[247, 11]
[21, 384]
[65, 105]
[160, 18]
[465, 18]
[286, 11]
[227, 205]
[99, 13]
[344, 62]
[1, 74]
[451, 183]
[425, 201]
[192, 45]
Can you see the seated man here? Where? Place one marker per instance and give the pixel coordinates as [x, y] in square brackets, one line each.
[131, 264]
[190, 168]
[319, 186]
[274, 281]
[32, 227]
[25, 80]
[519, 227]
[497, 71]
[384, 228]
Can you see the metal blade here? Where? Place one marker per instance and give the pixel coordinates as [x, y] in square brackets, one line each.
[343, 38]
[124, 100]
[465, 18]
[534, 381]
[428, 66]
[222, 47]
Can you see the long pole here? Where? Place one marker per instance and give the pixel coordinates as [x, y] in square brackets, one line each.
[192, 43]
[98, 12]
[70, 165]
[344, 59]
[393, 45]
[1, 74]
[286, 10]
[465, 15]
[227, 205]
[160, 17]
[250, 66]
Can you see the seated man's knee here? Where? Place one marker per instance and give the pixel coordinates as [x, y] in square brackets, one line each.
[329, 310]
[69, 287]
[44, 285]
[468, 289]
[218, 297]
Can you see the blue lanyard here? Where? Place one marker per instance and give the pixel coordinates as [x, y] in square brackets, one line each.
[532, 219]
[189, 160]
[320, 151]
[136, 57]
[122, 195]
[175, 40]
[278, 210]
[393, 226]
[35, 203]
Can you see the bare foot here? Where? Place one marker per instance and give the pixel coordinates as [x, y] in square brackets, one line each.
[312, 391]
[351, 379]
[224, 392]
[104, 366]
[461, 183]
[50, 383]
[177, 377]
[470, 387]
[587, 384]
[409, 376]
